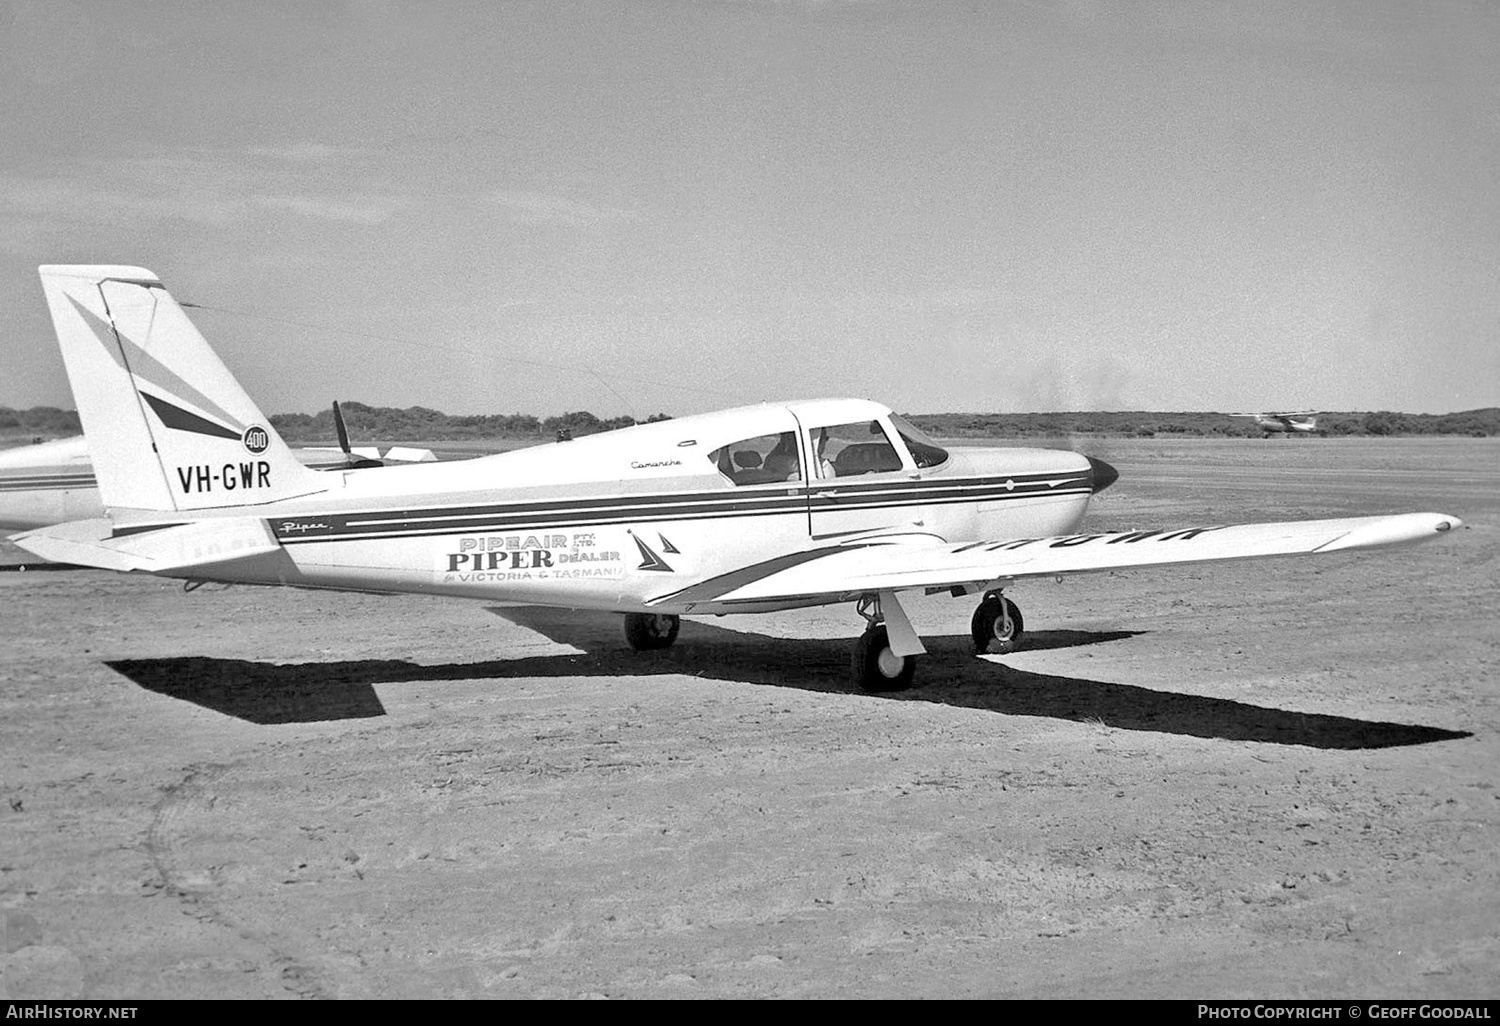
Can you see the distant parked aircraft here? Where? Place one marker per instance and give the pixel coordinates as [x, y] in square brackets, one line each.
[1304, 423]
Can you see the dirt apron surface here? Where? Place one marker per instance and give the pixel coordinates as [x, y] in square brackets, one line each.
[1270, 779]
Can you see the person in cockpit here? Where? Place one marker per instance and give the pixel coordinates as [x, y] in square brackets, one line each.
[781, 462]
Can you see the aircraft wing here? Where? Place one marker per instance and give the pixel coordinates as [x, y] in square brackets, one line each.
[898, 564]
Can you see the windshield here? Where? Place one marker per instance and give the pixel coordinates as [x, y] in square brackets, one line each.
[924, 450]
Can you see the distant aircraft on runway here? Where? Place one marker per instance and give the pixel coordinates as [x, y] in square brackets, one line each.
[756, 509]
[1288, 424]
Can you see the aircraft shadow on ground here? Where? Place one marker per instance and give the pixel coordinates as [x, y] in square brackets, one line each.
[272, 693]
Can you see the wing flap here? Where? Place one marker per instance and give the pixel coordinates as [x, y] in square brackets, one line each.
[900, 567]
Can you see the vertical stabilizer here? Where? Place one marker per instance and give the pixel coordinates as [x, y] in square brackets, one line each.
[169, 427]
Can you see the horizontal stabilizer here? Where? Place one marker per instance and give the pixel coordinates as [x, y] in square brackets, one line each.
[80, 542]
[368, 453]
[163, 550]
[407, 454]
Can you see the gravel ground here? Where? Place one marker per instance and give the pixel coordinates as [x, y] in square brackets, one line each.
[1264, 780]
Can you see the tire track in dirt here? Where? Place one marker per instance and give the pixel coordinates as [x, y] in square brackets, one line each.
[195, 892]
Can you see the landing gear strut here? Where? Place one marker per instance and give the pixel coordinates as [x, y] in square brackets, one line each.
[997, 625]
[876, 665]
[646, 631]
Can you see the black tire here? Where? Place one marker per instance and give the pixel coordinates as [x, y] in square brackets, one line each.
[990, 635]
[877, 668]
[649, 631]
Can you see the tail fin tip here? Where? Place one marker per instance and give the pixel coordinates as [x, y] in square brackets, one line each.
[100, 273]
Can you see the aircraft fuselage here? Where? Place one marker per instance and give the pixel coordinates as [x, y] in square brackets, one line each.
[634, 519]
[49, 483]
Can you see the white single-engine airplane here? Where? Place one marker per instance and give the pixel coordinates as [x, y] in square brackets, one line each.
[53, 482]
[1289, 424]
[748, 510]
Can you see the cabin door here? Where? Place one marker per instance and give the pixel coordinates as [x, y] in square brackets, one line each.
[858, 481]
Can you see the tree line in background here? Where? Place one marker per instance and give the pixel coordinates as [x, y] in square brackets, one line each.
[387, 424]
[1471, 423]
[417, 423]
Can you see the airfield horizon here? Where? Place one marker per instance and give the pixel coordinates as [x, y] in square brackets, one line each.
[392, 426]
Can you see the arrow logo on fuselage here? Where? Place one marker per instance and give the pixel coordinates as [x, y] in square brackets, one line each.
[650, 560]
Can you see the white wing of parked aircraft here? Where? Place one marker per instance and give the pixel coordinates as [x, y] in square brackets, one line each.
[53, 482]
[752, 509]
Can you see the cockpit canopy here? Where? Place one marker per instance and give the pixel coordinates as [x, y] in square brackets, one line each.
[884, 444]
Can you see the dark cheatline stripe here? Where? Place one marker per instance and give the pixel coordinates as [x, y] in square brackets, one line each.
[48, 482]
[623, 504]
[792, 491]
[716, 586]
[309, 528]
[834, 505]
[1063, 479]
[177, 418]
[312, 529]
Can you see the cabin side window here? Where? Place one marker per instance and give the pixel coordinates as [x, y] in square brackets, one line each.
[848, 450]
[764, 459]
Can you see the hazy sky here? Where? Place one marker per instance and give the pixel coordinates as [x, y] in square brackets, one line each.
[632, 207]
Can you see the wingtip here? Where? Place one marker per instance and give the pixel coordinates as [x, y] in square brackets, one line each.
[1402, 529]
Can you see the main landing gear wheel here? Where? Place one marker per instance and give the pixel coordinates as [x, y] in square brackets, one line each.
[647, 631]
[876, 667]
[997, 626]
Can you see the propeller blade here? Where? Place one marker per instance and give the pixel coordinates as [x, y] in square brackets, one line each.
[356, 461]
[341, 428]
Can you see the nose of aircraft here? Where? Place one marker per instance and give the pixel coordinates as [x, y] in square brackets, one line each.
[1101, 474]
